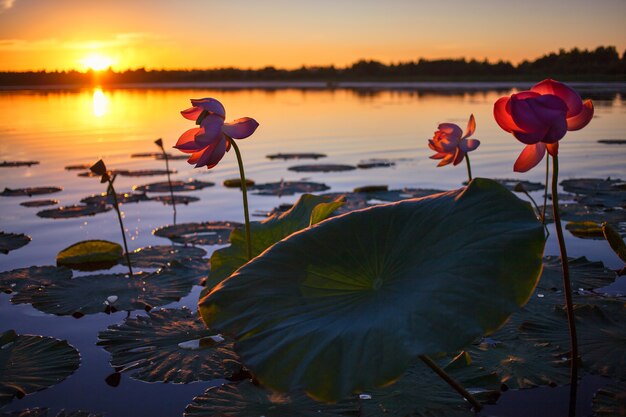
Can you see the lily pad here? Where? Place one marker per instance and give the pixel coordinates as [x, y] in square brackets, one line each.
[375, 163]
[368, 288]
[613, 141]
[39, 203]
[598, 192]
[309, 209]
[45, 412]
[13, 164]
[159, 155]
[371, 189]
[236, 183]
[109, 293]
[164, 186]
[145, 172]
[585, 275]
[170, 345]
[576, 212]
[71, 212]
[90, 255]
[287, 156]
[585, 230]
[32, 363]
[322, 168]
[157, 256]
[283, 188]
[208, 233]
[248, 400]
[368, 197]
[29, 191]
[32, 278]
[610, 401]
[77, 167]
[178, 199]
[12, 241]
[122, 198]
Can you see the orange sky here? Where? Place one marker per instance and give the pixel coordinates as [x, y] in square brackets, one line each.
[76, 34]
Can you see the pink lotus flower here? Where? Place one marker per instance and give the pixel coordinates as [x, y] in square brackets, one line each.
[450, 143]
[540, 118]
[208, 143]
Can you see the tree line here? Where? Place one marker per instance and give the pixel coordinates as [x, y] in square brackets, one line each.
[601, 64]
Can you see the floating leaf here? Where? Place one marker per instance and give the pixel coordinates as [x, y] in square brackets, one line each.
[164, 186]
[90, 255]
[318, 309]
[578, 212]
[44, 412]
[32, 363]
[30, 191]
[71, 212]
[286, 156]
[77, 167]
[248, 400]
[39, 203]
[13, 164]
[363, 198]
[610, 401]
[309, 209]
[115, 292]
[122, 198]
[170, 345]
[371, 189]
[613, 141]
[157, 256]
[208, 233]
[236, 183]
[145, 172]
[585, 230]
[375, 163]
[584, 274]
[31, 279]
[598, 192]
[283, 188]
[322, 168]
[178, 199]
[12, 241]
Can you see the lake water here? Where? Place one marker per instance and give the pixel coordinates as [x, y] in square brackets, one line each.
[65, 127]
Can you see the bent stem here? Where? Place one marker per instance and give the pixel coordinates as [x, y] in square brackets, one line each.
[244, 190]
[567, 288]
[169, 181]
[545, 192]
[469, 168]
[542, 215]
[457, 387]
[119, 217]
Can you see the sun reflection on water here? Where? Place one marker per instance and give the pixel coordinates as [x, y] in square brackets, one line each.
[100, 103]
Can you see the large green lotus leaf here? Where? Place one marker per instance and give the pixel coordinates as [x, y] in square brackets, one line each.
[248, 400]
[90, 255]
[44, 412]
[31, 279]
[170, 345]
[32, 363]
[348, 304]
[115, 292]
[157, 256]
[421, 393]
[309, 209]
[610, 401]
[601, 330]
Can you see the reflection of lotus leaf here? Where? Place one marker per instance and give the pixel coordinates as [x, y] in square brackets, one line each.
[170, 345]
[34, 277]
[322, 168]
[248, 400]
[115, 292]
[610, 401]
[348, 304]
[33, 363]
[309, 209]
[12, 241]
[157, 256]
[283, 188]
[70, 212]
[90, 255]
[164, 186]
[208, 233]
[30, 191]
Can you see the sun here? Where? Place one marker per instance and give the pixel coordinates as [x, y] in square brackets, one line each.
[97, 62]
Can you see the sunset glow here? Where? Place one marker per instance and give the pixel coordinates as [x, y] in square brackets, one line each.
[97, 62]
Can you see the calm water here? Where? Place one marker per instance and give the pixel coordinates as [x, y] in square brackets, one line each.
[61, 127]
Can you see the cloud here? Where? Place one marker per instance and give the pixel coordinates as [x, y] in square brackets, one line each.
[6, 5]
[117, 41]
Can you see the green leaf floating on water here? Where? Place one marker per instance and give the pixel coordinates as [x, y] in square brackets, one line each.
[90, 255]
[610, 401]
[32, 363]
[348, 304]
[157, 256]
[170, 345]
[309, 209]
[44, 412]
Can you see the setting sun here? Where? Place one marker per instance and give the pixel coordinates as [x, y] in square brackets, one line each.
[97, 62]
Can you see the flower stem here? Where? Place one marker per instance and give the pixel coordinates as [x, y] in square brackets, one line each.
[244, 190]
[119, 217]
[169, 180]
[545, 192]
[567, 288]
[469, 168]
[457, 387]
